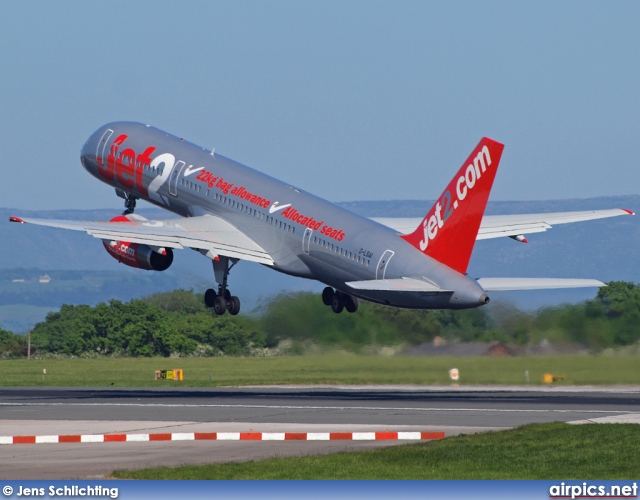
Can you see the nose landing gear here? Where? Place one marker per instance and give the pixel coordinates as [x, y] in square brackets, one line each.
[222, 300]
[129, 202]
[339, 300]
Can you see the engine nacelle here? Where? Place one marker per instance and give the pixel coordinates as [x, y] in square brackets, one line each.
[138, 255]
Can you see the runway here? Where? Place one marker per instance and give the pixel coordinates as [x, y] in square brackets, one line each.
[453, 410]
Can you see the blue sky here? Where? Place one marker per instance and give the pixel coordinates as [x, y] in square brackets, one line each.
[350, 100]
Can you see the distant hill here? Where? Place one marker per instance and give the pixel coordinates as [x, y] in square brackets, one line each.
[54, 287]
[603, 249]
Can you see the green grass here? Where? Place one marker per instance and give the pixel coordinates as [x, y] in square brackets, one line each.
[325, 369]
[536, 451]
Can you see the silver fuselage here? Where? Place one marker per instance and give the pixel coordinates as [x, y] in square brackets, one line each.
[305, 235]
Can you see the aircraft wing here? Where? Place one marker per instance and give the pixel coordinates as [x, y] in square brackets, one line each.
[211, 235]
[507, 284]
[496, 226]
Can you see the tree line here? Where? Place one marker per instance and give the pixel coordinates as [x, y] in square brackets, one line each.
[178, 324]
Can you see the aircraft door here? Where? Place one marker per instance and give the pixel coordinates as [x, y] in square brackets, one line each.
[173, 184]
[101, 146]
[383, 263]
[306, 240]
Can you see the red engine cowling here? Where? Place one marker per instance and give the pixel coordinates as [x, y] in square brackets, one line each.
[138, 255]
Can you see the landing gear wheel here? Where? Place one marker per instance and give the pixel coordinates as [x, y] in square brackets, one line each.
[219, 305]
[209, 297]
[233, 305]
[337, 303]
[222, 300]
[351, 304]
[327, 296]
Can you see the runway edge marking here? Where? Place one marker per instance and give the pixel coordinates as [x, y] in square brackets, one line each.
[223, 436]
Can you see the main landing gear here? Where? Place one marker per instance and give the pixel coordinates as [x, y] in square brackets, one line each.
[222, 301]
[339, 300]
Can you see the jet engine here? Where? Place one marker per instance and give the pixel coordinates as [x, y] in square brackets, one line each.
[140, 256]
[136, 254]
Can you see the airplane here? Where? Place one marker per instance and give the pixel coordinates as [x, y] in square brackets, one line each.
[229, 212]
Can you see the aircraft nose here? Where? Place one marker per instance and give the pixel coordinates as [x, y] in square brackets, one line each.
[88, 152]
[84, 152]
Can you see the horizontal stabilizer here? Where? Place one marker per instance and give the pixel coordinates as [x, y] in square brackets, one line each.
[397, 285]
[508, 284]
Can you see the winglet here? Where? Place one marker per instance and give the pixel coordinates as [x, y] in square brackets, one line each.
[448, 231]
[16, 219]
[628, 211]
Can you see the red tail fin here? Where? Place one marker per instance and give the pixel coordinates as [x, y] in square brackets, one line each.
[449, 230]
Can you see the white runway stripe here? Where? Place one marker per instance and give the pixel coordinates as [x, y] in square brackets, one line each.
[92, 438]
[137, 437]
[46, 439]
